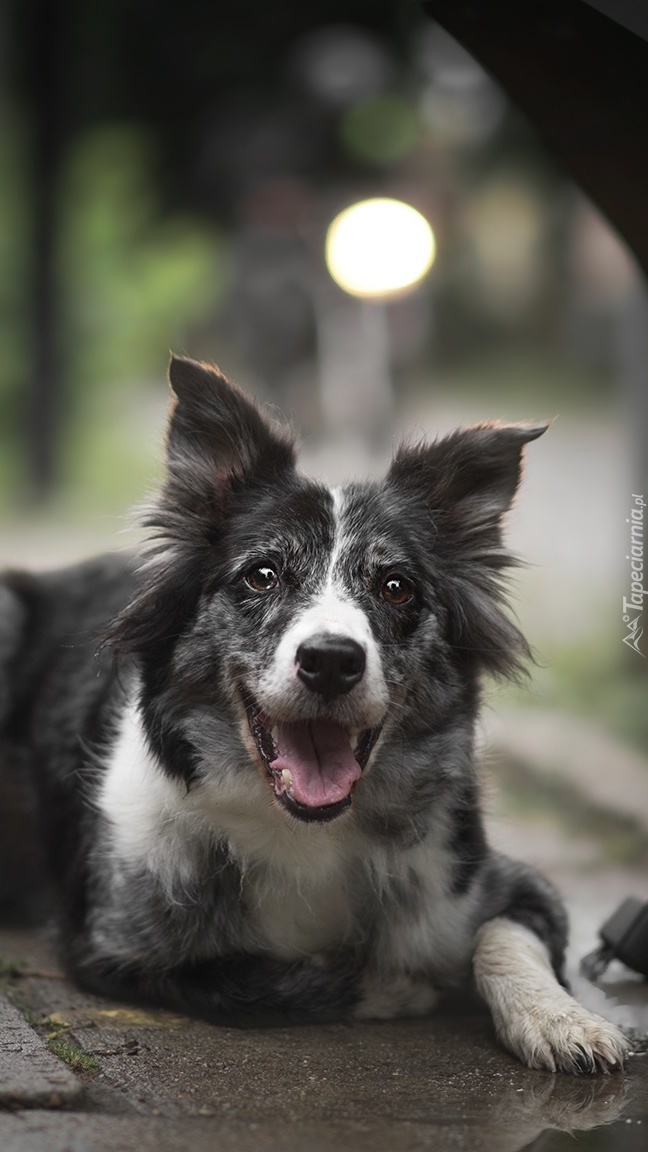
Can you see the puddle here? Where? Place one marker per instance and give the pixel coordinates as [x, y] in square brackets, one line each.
[611, 1117]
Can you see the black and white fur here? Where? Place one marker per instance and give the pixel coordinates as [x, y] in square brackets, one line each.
[271, 611]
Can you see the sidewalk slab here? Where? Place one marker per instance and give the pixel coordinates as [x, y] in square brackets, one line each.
[30, 1076]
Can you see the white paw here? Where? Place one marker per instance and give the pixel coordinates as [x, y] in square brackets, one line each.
[534, 1016]
[564, 1037]
[385, 999]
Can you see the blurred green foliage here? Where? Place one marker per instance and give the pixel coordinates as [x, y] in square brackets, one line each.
[381, 130]
[595, 677]
[133, 280]
[133, 283]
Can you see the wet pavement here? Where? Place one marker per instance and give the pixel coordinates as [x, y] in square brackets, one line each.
[486, 1111]
[154, 1080]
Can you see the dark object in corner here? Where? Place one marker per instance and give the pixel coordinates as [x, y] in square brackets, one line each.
[624, 936]
[581, 78]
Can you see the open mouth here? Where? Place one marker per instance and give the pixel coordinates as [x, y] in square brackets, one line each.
[313, 765]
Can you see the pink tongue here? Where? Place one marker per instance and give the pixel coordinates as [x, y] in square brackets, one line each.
[320, 760]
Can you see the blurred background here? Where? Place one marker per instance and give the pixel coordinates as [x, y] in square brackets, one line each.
[168, 174]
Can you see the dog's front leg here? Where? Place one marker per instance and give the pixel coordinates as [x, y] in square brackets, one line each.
[534, 1016]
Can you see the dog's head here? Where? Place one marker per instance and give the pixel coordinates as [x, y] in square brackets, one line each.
[322, 622]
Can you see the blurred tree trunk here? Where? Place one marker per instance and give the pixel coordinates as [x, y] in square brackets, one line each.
[44, 402]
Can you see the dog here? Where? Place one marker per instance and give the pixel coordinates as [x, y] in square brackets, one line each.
[254, 751]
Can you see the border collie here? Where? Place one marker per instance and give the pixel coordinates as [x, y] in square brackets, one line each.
[254, 752]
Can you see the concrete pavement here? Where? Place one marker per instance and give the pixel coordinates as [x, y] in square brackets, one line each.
[30, 1075]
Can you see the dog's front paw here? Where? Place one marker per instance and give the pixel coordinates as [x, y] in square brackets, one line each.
[534, 1016]
[565, 1037]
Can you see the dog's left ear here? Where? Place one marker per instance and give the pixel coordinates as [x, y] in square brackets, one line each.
[464, 484]
[473, 473]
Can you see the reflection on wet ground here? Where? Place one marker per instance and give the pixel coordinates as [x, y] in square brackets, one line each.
[598, 1114]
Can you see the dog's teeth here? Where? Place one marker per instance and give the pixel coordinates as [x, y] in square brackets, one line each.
[354, 736]
[286, 777]
[275, 733]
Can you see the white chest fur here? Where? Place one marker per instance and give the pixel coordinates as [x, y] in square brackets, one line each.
[302, 883]
[298, 915]
[293, 876]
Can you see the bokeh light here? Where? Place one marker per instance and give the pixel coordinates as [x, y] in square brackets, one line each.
[379, 246]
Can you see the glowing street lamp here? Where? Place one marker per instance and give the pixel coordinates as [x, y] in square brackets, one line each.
[379, 247]
[375, 250]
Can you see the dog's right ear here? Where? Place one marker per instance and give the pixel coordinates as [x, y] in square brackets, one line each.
[218, 445]
[217, 441]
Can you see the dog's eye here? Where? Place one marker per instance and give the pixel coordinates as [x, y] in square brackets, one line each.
[262, 579]
[397, 590]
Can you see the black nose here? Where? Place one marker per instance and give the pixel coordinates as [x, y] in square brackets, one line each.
[330, 665]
